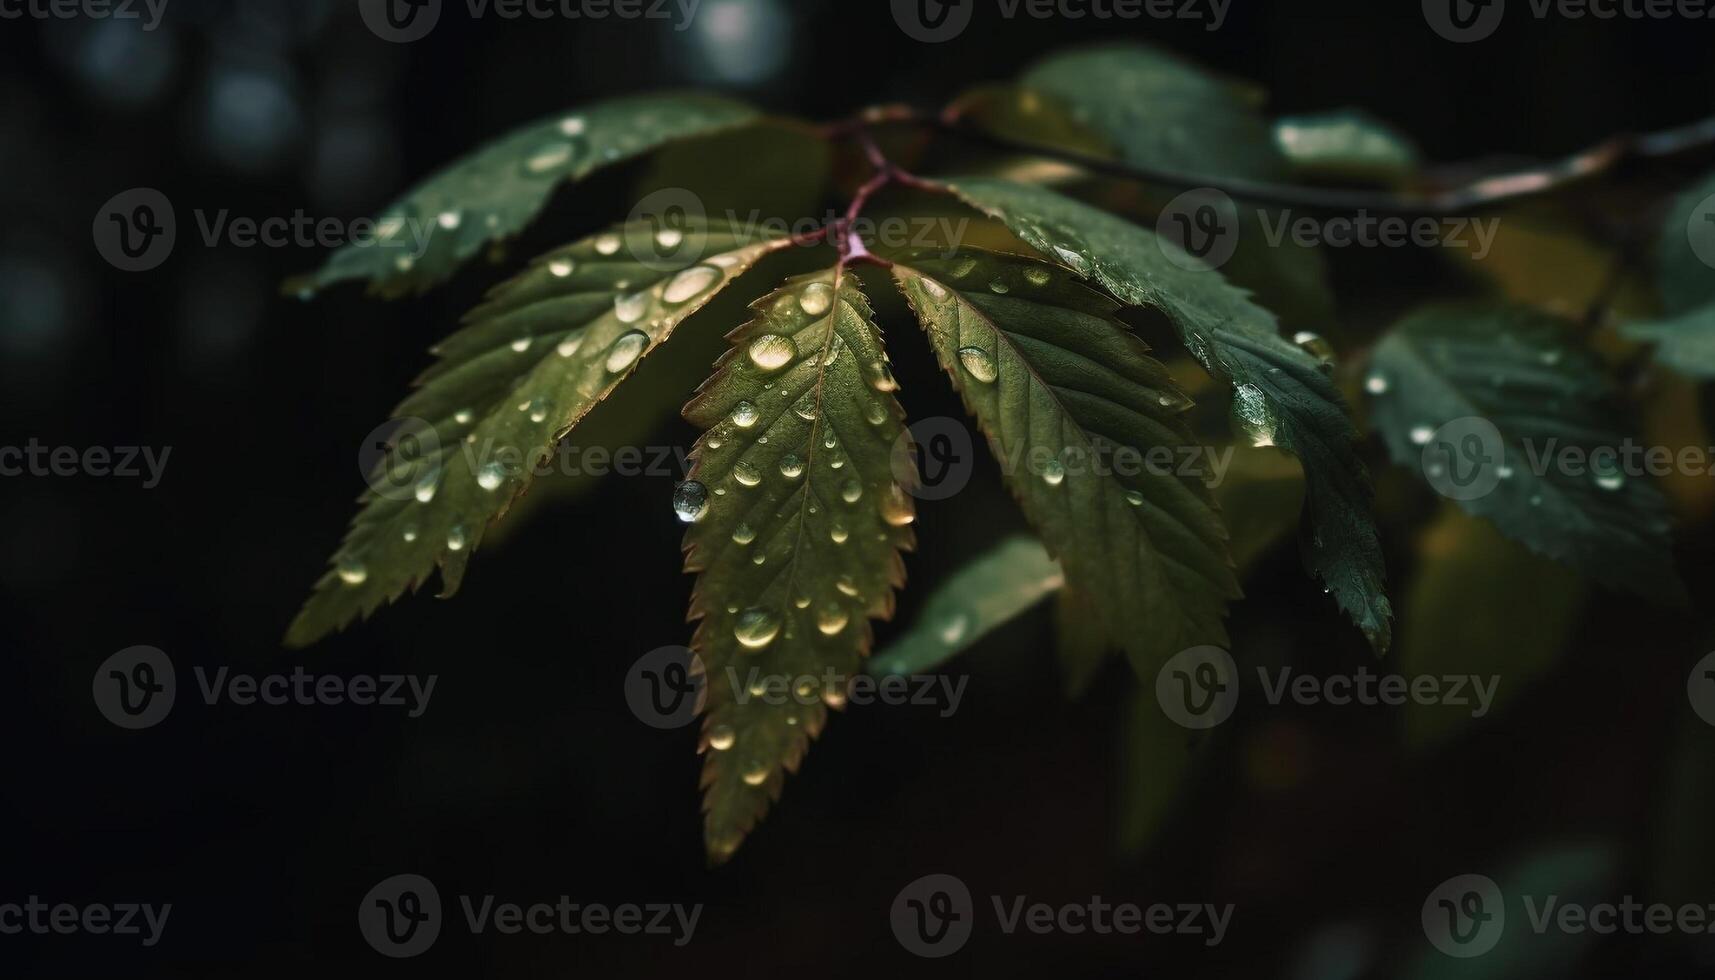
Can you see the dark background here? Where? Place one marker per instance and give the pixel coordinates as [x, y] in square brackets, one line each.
[528, 777]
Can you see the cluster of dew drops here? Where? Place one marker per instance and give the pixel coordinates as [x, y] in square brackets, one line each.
[629, 308]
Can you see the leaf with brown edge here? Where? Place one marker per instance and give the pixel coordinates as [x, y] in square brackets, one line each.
[799, 510]
[1088, 431]
[528, 365]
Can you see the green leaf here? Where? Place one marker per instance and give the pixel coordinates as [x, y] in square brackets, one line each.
[1466, 616]
[1161, 111]
[995, 588]
[799, 510]
[1515, 369]
[528, 365]
[1346, 144]
[1686, 336]
[1281, 394]
[494, 193]
[1080, 417]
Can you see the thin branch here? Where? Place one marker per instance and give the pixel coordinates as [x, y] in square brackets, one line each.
[1488, 192]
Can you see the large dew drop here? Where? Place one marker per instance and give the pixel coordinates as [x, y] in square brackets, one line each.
[817, 298]
[744, 415]
[746, 474]
[832, 619]
[548, 158]
[979, 364]
[1250, 405]
[491, 476]
[755, 773]
[755, 628]
[626, 350]
[352, 572]
[721, 738]
[896, 507]
[630, 309]
[691, 283]
[772, 352]
[691, 501]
